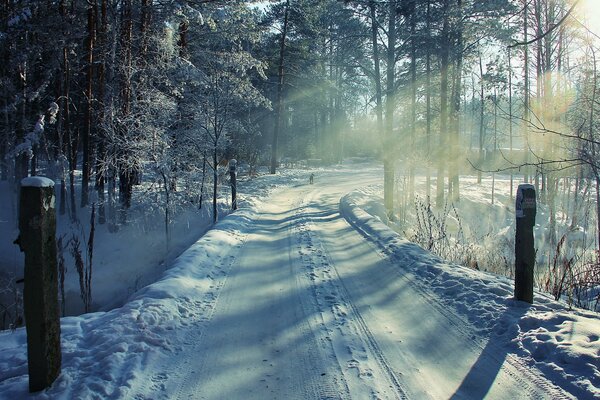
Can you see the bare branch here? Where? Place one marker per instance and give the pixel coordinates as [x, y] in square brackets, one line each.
[552, 28]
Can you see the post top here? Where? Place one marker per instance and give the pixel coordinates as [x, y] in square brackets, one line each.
[524, 186]
[37, 181]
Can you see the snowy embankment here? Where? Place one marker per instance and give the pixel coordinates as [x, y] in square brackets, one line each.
[564, 344]
[102, 351]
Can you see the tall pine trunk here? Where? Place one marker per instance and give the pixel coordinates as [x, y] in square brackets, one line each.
[444, 65]
[510, 122]
[481, 119]
[125, 167]
[390, 104]
[376, 67]
[87, 122]
[594, 155]
[280, 78]
[203, 180]
[539, 84]
[526, 104]
[70, 138]
[428, 112]
[215, 183]
[413, 103]
[454, 188]
[101, 158]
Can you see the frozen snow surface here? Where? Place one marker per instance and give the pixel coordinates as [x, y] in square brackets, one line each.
[303, 294]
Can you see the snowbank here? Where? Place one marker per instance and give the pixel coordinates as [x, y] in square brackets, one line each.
[564, 344]
[104, 352]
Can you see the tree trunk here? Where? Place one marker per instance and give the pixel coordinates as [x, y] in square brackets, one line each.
[60, 156]
[495, 148]
[215, 184]
[101, 157]
[203, 180]
[183, 39]
[428, 105]
[87, 122]
[112, 200]
[144, 29]
[125, 167]
[377, 78]
[539, 82]
[5, 130]
[598, 214]
[71, 140]
[510, 122]
[167, 190]
[454, 147]
[594, 160]
[526, 104]
[413, 104]
[481, 119]
[280, 78]
[21, 161]
[390, 104]
[444, 65]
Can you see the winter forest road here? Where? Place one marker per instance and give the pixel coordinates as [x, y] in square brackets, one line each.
[309, 309]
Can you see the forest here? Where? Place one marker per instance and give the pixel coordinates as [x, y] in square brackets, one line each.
[115, 99]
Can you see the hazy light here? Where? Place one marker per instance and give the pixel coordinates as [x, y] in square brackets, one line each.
[588, 12]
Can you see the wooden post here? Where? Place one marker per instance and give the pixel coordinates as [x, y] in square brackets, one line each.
[37, 239]
[525, 209]
[232, 165]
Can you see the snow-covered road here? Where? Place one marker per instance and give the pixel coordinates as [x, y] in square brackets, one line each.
[262, 340]
[307, 308]
[304, 295]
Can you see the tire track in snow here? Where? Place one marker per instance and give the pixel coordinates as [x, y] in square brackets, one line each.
[165, 376]
[521, 370]
[335, 387]
[359, 344]
[287, 367]
[210, 302]
[518, 368]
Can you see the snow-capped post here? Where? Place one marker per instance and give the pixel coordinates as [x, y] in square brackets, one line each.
[525, 209]
[232, 165]
[37, 239]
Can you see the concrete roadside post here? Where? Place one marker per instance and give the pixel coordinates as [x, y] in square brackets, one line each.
[37, 239]
[232, 166]
[525, 210]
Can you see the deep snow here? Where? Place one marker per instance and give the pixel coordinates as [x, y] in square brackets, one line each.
[303, 294]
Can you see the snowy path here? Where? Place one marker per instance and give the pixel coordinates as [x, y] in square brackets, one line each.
[307, 308]
[262, 340]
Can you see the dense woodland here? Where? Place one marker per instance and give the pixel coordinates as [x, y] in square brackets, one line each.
[106, 95]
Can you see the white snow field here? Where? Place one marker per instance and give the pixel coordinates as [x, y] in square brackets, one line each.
[304, 295]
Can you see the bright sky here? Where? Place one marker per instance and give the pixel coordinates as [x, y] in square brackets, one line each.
[588, 12]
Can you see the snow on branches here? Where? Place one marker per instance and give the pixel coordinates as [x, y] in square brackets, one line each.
[34, 137]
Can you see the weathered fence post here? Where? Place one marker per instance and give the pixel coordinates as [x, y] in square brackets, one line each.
[232, 165]
[525, 209]
[37, 239]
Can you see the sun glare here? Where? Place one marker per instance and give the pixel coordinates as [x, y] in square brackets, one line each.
[589, 14]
